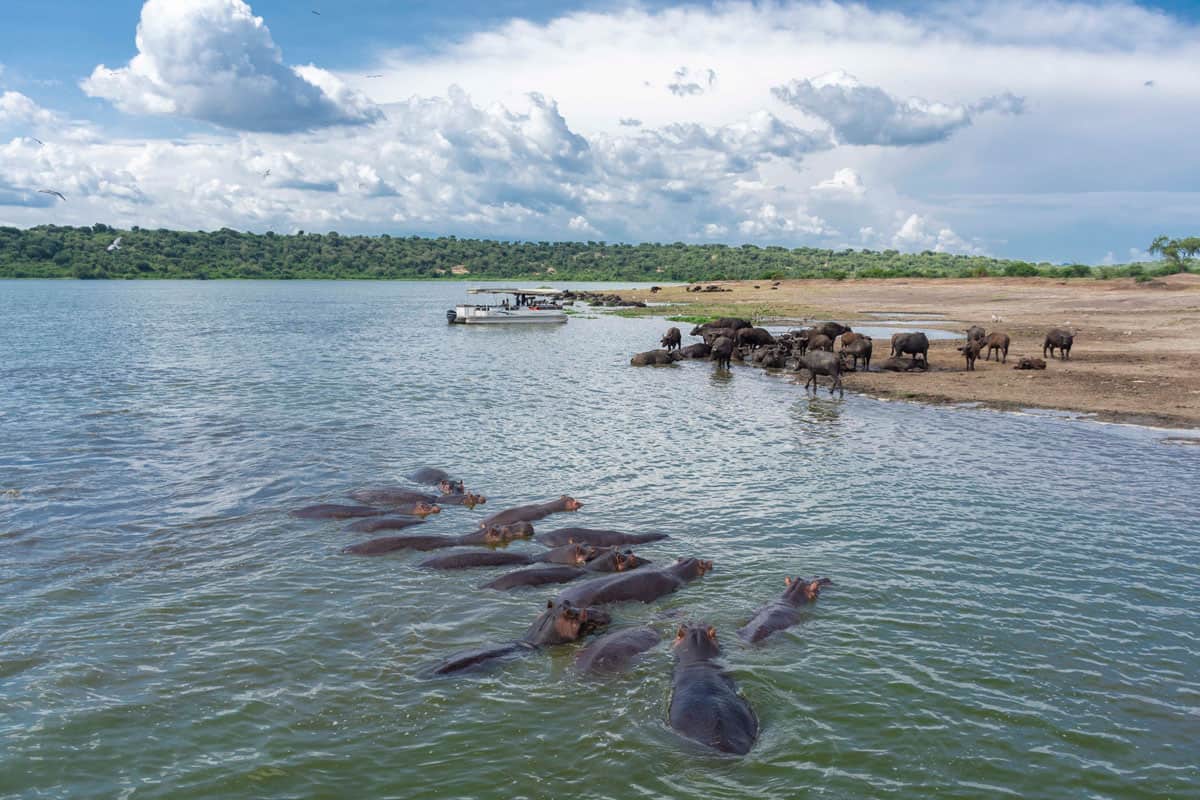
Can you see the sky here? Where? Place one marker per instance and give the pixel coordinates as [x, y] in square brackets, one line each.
[1047, 131]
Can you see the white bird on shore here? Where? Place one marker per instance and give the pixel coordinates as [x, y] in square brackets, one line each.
[116, 245]
[59, 195]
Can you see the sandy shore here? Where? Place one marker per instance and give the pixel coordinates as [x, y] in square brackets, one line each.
[1136, 356]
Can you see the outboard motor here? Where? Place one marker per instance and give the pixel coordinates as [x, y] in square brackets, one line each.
[451, 316]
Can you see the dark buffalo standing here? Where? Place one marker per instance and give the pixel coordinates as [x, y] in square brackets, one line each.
[439, 478]
[335, 511]
[722, 352]
[831, 329]
[784, 612]
[754, 337]
[645, 585]
[819, 341]
[1059, 339]
[712, 334]
[532, 513]
[976, 334]
[859, 348]
[697, 350]
[595, 537]
[733, 323]
[616, 652]
[970, 352]
[672, 339]
[705, 704]
[914, 344]
[655, 358]
[560, 623]
[998, 343]
[493, 536]
[822, 363]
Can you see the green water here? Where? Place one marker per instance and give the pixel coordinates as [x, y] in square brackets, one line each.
[1014, 610]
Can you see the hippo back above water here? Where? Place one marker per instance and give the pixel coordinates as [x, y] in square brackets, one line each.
[784, 612]
[644, 585]
[335, 511]
[705, 704]
[616, 652]
[532, 513]
[595, 537]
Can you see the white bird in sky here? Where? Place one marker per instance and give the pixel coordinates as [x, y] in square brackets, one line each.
[59, 195]
[116, 245]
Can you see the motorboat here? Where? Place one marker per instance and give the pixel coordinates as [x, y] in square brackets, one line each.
[519, 306]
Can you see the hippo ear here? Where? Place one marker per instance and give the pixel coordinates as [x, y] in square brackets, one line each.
[712, 633]
[787, 580]
[549, 604]
[682, 632]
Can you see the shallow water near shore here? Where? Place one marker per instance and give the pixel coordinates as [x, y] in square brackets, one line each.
[1013, 608]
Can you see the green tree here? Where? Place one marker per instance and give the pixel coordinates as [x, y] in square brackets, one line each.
[1176, 252]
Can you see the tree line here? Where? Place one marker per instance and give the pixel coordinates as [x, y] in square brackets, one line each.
[53, 251]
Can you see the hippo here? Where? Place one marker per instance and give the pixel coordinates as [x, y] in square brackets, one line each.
[970, 352]
[616, 652]
[614, 561]
[1059, 339]
[697, 350]
[672, 339]
[997, 343]
[560, 623]
[493, 536]
[975, 333]
[391, 495]
[532, 513]
[859, 347]
[655, 358]
[373, 524]
[466, 499]
[439, 478]
[722, 351]
[822, 363]
[335, 511]
[573, 555]
[595, 537]
[916, 344]
[705, 704]
[417, 509]
[644, 585]
[784, 612]
[902, 365]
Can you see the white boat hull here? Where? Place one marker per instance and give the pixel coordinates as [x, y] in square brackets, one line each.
[492, 315]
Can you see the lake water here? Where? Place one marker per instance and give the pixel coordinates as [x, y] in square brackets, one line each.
[1014, 609]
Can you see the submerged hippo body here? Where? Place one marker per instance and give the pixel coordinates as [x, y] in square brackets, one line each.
[390, 496]
[439, 478]
[614, 559]
[705, 704]
[335, 511]
[644, 585]
[536, 576]
[595, 537]
[466, 499]
[469, 559]
[373, 524]
[784, 612]
[495, 536]
[560, 623]
[532, 513]
[616, 652]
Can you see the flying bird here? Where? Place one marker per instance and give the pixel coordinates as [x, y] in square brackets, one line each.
[267, 174]
[375, 76]
[59, 195]
[116, 245]
[1148, 83]
[39, 141]
[318, 13]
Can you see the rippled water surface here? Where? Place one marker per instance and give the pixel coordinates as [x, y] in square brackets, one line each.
[1014, 609]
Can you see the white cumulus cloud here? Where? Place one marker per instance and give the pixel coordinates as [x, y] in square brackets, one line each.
[845, 182]
[868, 115]
[213, 60]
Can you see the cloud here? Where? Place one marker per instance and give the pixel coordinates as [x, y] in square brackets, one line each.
[865, 115]
[17, 110]
[918, 233]
[845, 183]
[213, 60]
[768, 222]
[684, 82]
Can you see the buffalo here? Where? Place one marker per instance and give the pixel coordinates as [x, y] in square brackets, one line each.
[913, 344]
[672, 339]
[722, 351]
[1059, 339]
[859, 348]
[822, 363]
[998, 343]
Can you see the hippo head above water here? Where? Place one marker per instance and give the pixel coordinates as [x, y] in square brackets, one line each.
[626, 560]
[570, 503]
[423, 509]
[447, 486]
[799, 591]
[691, 568]
[503, 534]
[696, 642]
[562, 622]
[472, 500]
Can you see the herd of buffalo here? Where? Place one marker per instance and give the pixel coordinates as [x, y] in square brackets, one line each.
[705, 703]
[812, 349]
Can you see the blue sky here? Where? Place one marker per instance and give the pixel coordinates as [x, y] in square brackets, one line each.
[1057, 131]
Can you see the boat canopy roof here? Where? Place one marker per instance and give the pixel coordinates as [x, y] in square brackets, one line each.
[533, 292]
